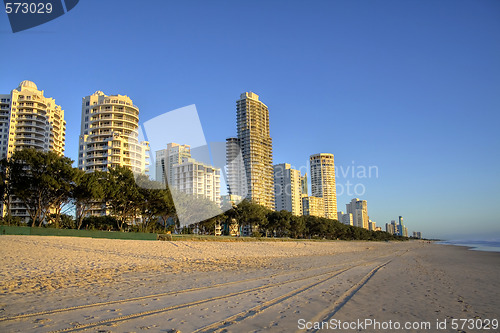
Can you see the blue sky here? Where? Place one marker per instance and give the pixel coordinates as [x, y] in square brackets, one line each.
[410, 87]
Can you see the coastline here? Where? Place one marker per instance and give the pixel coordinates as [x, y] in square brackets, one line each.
[482, 246]
[124, 285]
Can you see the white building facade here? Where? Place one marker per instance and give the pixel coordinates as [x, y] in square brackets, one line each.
[109, 135]
[167, 158]
[346, 218]
[359, 210]
[197, 179]
[287, 189]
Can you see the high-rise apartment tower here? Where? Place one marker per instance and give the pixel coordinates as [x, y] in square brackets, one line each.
[288, 189]
[359, 210]
[28, 119]
[256, 148]
[167, 158]
[323, 182]
[109, 134]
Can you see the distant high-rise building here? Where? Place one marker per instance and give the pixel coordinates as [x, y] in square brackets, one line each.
[197, 179]
[236, 181]
[346, 219]
[401, 229]
[389, 228]
[359, 210]
[288, 189]
[394, 227]
[28, 119]
[323, 182]
[417, 234]
[167, 158]
[397, 228]
[372, 225]
[303, 184]
[256, 147]
[109, 134]
[314, 206]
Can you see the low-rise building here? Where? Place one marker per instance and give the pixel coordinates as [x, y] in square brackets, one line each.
[314, 206]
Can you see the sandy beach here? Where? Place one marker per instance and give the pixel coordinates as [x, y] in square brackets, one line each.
[63, 284]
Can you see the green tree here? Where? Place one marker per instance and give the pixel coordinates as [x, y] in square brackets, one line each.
[42, 181]
[250, 213]
[298, 226]
[156, 203]
[5, 188]
[279, 223]
[88, 191]
[122, 195]
[107, 223]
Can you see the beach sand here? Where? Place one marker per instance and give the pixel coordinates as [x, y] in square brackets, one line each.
[67, 284]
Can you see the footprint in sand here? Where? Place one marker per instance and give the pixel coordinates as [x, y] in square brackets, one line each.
[41, 320]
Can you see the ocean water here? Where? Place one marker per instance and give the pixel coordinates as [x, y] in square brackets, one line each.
[476, 245]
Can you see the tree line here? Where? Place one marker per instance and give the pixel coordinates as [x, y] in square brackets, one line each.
[49, 187]
[269, 223]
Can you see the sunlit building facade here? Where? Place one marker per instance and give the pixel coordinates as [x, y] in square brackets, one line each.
[197, 179]
[256, 147]
[109, 138]
[359, 210]
[167, 158]
[346, 218]
[287, 189]
[314, 206]
[323, 182]
[109, 134]
[28, 119]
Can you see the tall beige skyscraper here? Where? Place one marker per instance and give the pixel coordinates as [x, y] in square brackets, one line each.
[256, 148]
[109, 134]
[323, 182]
[288, 189]
[28, 119]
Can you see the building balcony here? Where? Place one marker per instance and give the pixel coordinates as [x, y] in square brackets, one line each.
[96, 164]
[30, 144]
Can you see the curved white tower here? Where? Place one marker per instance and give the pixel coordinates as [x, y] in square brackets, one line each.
[323, 182]
[30, 120]
[109, 134]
